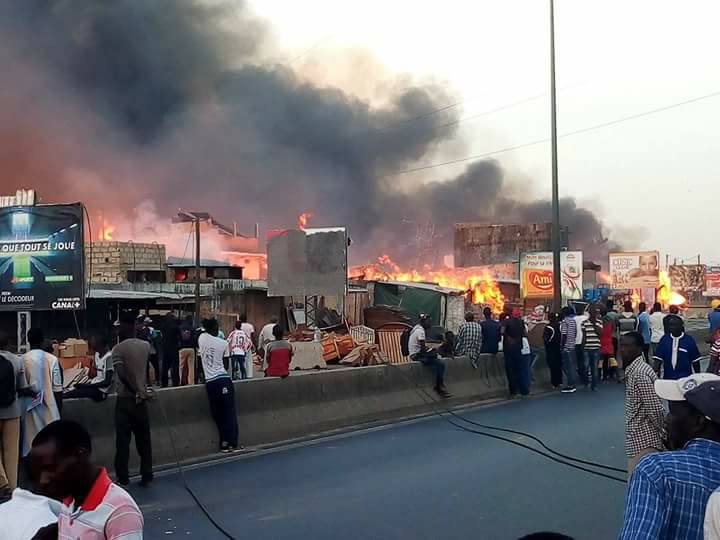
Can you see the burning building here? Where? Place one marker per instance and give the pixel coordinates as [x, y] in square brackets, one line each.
[479, 286]
[478, 244]
[228, 243]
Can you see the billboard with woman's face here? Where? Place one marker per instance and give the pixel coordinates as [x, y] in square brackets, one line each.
[635, 270]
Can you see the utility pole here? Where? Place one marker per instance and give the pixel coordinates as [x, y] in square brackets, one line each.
[197, 272]
[557, 277]
[196, 222]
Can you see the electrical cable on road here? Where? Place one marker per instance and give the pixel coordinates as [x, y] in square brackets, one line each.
[184, 481]
[439, 410]
[544, 140]
[552, 455]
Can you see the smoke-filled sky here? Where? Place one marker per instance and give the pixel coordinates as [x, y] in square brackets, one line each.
[258, 112]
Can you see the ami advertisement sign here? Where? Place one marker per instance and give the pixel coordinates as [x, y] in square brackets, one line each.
[536, 274]
[41, 257]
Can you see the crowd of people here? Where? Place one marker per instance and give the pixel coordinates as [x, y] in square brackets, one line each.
[32, 433]
[673, 457]
[674, 453]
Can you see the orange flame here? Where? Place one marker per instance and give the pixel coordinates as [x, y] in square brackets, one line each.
[604, 277]
[478, 285]
[665, 293]
[303, 220]
[105, 234]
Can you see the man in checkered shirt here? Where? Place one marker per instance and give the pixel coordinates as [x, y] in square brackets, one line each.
[469, 339]
[644, 413]
[669, 491]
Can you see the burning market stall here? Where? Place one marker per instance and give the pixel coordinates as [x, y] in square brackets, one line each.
[445, 306]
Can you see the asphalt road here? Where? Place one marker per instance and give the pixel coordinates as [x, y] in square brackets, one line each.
[419, 480]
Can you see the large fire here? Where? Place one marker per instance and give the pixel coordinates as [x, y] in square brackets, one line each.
[665, 293]
[481, 288]
[105, 234]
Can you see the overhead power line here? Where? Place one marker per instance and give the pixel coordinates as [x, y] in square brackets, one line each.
[314, 46]
[471, 117]
[562, 136]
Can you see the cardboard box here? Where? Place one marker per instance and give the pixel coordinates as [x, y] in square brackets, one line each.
[73, 347]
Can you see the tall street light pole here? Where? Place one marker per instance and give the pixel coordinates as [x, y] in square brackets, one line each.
[196, 222]
[197, 272]
[557, 278]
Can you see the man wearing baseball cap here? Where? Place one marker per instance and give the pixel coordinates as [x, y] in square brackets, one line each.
[668, 491]
[714, 319]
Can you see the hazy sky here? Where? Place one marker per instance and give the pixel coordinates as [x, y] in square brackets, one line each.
[615, 59]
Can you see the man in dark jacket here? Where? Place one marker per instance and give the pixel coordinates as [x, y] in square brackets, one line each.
[551, 338]
[490, 333]
[188, 343]
[513, 331]
[171, 352]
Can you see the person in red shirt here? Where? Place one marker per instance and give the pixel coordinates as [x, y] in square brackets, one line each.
[278, 355]
[607, 350]
[94, 508]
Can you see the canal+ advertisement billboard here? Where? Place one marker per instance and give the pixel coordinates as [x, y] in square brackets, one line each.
[41, 257]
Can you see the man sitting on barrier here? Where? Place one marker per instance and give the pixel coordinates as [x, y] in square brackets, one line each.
[420, 353]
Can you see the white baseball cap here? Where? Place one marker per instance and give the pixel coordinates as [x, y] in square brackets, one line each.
[701, 390]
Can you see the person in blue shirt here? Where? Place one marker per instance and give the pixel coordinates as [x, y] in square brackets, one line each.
[490, 333]
[714, 319]
[644, 328]
[677, 352]
[669, 491]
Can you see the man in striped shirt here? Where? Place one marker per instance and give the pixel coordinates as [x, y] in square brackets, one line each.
[568, 335]
[592, 328]
[714, 365]
[94, 508]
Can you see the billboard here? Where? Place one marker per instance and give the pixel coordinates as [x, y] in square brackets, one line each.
[312, 262]
[536, 274]
[635, 270]
[687, 277]
[712, 281]
[41, 258]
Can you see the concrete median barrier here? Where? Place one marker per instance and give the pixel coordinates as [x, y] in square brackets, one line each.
[305, 404]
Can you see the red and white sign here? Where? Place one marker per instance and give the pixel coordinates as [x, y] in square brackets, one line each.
[536, 274]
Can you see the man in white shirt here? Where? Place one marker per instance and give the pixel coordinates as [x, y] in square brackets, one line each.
[582, 367]
[712, 517]
[101, 385]
[420, 353]
[220, 390]
[248, 328]
[266, 334]
[240, 353]
[657, 327]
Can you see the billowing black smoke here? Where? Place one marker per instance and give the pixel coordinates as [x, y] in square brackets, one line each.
[116, 103]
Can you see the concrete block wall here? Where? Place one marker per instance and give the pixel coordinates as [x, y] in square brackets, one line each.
[303, 405]
[109, 262]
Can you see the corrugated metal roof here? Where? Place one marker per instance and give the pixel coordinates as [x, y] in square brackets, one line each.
[426, 286]
[120, 294]
[177, 262]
